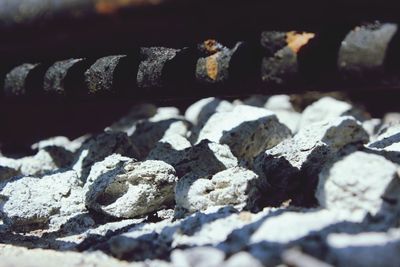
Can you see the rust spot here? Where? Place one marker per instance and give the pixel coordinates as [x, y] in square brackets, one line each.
[296, 41]
[112, 6]
[211, 46]
[212, 66]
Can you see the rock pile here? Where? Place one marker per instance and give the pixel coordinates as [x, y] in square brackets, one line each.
[255, 182]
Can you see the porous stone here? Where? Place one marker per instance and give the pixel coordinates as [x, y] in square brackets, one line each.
[246, 130]
[229, 187]
[28, 201]
[358, 184]
[122, 188]
[328, 108]
[291, 168]
[365, 249]
[99, 147]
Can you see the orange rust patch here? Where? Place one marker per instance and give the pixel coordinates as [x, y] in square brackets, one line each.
[296, 41]
[111, 6]
[212, 66]
[211, 45]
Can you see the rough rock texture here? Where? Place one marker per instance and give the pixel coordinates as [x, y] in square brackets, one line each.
[28, 201]
[360, 183]
[99, 147]
[234, 186]
[124, 189]
[328, 108]
[292, 166]
[246, 130]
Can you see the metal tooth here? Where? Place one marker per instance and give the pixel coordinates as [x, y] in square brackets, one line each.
[280, 62]
[25, 80]
[162, 66]
[111, 75]
[66, 77]
[364, 49]
[225, 64]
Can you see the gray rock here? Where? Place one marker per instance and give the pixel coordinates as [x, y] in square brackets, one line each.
[246, 130]
[124, 189]
[364, 249]
[28, 201]
[230, 187]
[99, 147]
[198, 257]
[254, 100]
[290, 170]
[360, 183]
[328, 108]
[205, 158]
[148, 132]
[170, 149]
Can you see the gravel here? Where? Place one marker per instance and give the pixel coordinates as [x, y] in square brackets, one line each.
[256, 182]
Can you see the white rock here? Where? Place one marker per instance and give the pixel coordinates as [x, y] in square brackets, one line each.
[246, 130]
[289, 118]
[29, 200]
[279, 102]
[61, 141]
[198, 257]
[195, 193]
[327, 108]
[364, 249]
[360, 183]
[242, 259]
[372, 126]
[296, 162]
[126, 189]
[199, 112]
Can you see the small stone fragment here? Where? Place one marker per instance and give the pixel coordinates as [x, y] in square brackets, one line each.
[293, 165]
[246, 130]
[328, 108]
[30, 201]
[360, 183]
[124, 189]
[234, 186]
